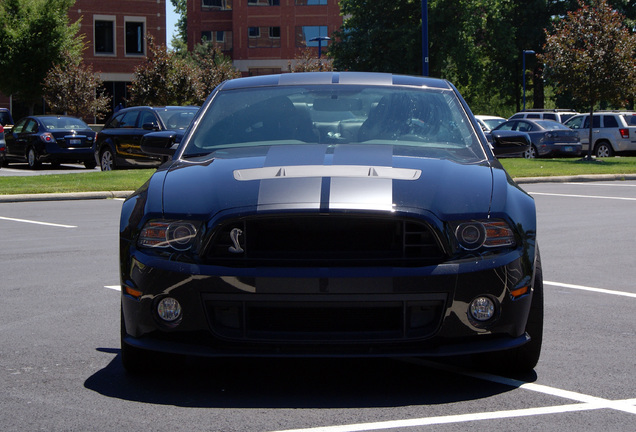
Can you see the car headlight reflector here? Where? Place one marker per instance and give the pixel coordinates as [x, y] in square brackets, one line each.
[179, 235]
[487, 233]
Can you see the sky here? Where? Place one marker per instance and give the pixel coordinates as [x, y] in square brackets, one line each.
[171, 21]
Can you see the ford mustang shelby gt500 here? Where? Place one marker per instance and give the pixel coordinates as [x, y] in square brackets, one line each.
[332, 214]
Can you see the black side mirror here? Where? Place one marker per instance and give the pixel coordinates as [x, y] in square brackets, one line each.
[159, 143]
[507, 142]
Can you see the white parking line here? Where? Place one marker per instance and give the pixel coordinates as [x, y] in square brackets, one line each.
[587, 403]
[113, 287]
[582, 196]
[37, 222]
[584, 288]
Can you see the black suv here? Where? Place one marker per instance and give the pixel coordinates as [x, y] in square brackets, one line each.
[118, 143]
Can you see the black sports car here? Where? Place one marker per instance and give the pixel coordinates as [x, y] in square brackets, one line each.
[332, 214]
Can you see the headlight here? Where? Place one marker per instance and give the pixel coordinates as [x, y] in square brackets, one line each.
[178, 235]
[484, 233]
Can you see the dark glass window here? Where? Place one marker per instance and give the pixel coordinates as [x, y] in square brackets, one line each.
[216, 4]
[310, 2]
[134, 37]
[263, 2]
[609, 121]
[104, 37]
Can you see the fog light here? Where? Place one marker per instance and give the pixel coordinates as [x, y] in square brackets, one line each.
[482, 309]
[169, 309]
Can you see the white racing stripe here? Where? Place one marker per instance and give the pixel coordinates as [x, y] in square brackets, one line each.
[37, 222]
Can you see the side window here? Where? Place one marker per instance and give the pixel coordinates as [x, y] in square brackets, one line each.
[575, 123]
[609, 121]
[523, 126]
[147, 117]
[129, 119]
[507, 126]
[19, 128]
[549, 116]
[535, 116]
[31, 126]
[596, 122]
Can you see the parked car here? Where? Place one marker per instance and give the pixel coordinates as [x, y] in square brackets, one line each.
[612, 132]
[397, 233]
[5, 117]
[51, 138]
[549, 138]
[488, 122]
[119, 142]
[3, 146]
[559, 115]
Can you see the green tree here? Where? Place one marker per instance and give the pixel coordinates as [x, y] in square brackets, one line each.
[306, 61]
[72, 88]
[591, 55]
[213, 66]
[379, 36]
[165, 79]
[34, 35]
[180, 40]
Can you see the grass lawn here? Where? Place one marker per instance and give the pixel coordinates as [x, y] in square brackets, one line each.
[132, 179]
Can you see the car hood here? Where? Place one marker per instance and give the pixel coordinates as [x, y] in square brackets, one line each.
[326, 178]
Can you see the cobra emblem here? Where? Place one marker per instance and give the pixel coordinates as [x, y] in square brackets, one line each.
[235, 234]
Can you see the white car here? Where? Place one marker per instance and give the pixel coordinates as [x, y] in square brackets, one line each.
[488, 122]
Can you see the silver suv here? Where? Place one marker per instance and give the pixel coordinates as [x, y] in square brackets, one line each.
[560, 115]
[612, 131]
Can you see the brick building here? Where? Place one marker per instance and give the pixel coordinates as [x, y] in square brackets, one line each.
[115, 32]
[262, 36]
[115, 35]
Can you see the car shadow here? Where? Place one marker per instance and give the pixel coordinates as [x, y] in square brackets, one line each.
[292, 383]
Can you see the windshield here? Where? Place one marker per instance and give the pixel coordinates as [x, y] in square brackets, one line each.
[338, 115]
[63, 123]
[175, 119]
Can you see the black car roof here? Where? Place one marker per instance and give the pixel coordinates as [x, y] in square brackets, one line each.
[352, 78]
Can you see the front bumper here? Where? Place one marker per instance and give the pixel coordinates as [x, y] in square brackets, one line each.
[315, 312]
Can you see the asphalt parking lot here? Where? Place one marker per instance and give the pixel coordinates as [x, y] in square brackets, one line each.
[60, 366]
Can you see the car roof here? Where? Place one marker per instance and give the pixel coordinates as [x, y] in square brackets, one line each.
[325, 78]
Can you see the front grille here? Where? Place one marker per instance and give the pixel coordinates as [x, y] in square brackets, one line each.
[317, 320]
[323, 240]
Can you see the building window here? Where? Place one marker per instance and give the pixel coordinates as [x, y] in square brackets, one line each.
[220, 39]
[135, 35]
[304, 35]
[264, 37]
[104, 34]
[216, 4]
[263, 2]
[310, 2]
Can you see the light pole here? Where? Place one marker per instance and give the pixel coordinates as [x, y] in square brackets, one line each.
[320, 39]
[523, 72]
[424, 38]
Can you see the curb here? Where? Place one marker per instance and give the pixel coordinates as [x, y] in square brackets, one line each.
[65, 196]
[126, 194]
